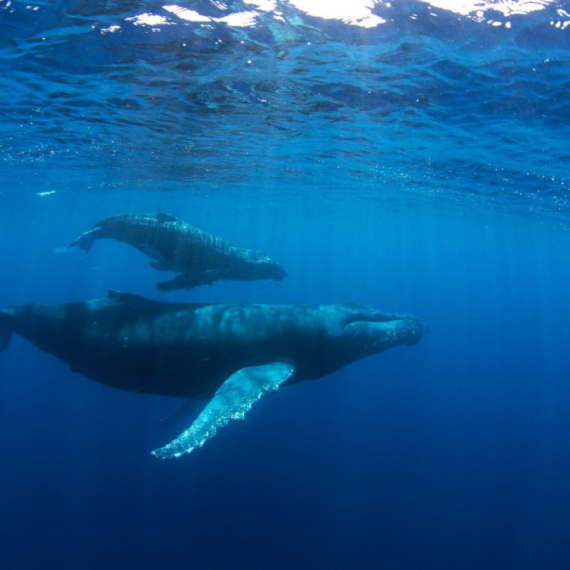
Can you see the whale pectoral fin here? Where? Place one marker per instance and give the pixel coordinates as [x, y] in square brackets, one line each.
[188, 280]
[231, 402]
[183, 281]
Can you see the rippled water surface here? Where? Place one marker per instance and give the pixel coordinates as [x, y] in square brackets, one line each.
[470, 106]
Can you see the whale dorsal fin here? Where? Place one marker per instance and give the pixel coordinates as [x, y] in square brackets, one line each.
[162, 217]
[114, 294]
[128, 298]
[150, 306]
[231, 402]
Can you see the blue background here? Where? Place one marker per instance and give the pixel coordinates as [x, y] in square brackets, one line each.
[451, 453]
[416, 168]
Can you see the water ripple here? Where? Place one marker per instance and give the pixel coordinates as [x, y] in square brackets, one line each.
[450, 103]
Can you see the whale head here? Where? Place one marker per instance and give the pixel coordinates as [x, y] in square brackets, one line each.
[370, 332]
[260, 266]
[275, 271]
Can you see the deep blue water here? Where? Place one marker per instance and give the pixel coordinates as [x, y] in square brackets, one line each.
[418, 166]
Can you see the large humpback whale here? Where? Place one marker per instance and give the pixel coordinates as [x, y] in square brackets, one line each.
[230, 354]
[199, 257]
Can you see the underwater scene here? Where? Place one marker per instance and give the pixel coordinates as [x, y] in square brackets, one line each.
[285, 285]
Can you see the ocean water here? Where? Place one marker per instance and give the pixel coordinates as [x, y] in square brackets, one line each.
[403, 155]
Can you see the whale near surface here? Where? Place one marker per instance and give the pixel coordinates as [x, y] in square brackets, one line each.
[199, 258]
[231, 354]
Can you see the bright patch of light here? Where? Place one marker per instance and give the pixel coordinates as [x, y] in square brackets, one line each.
[148, 20]
[186, 14]
[369, 22]
[354, 12]
[239, 20]
[506, 7]
[110, 29]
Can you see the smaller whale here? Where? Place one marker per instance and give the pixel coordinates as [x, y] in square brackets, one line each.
[200, 258]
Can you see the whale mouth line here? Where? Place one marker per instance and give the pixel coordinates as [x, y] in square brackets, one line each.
[373, 336]
[385, 321]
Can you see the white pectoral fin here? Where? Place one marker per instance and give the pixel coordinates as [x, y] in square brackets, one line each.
[231, 402]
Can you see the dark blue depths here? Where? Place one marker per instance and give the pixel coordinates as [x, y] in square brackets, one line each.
[416, 169]
[451, 453]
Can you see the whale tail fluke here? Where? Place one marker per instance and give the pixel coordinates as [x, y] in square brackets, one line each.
[5, 331]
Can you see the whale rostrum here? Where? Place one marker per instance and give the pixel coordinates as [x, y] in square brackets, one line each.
[199, 258]
[230, 354]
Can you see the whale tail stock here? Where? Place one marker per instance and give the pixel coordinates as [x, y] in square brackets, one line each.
[5, 330]
[84, 241]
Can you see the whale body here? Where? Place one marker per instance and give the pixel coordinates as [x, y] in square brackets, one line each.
[199, 258]
[231, 354]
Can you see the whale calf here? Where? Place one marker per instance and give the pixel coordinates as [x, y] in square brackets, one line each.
[200, 258]
[231, 354]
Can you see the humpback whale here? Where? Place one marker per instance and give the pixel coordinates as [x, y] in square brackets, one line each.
[199, 258]
[228, 353]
